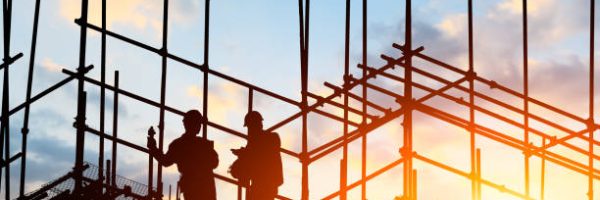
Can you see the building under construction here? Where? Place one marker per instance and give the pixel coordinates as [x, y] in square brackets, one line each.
[416, 83]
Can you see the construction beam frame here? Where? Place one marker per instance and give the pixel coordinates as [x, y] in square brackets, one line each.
[373, 115]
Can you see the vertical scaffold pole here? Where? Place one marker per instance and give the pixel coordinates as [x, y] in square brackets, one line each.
[526, 98]
[81, 101]
[407, 123]
[414, 184]
[115, 132]
[363, 171]
[478, 167]
[25, 129]
[344, 161]
[163, 88]
[206, 67]
[80, 141]
[5, 125]
[543, 171]
[591, 122]
[102, 92]
[470, 77]
[304, 85]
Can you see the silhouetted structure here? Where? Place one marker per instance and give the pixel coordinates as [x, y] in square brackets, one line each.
[372, 114]
[195, 158]
[62, 187]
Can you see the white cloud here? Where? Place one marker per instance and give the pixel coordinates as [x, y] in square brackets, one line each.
[550, 21]
[130, 12]
[453, 25]
[555, 78]
[139, 14]
[224, 99]
[50, 65]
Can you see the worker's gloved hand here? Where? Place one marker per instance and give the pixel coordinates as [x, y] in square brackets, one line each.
[239, 151]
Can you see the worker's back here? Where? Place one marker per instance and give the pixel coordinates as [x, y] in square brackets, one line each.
[195, 158]
[266, 159]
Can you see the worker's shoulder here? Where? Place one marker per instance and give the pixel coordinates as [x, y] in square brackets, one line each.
[203, 141]
[191, 141]
[273, 136]
[182, 140]
[178, 140]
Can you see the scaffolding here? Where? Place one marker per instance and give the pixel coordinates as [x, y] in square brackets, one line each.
[106, 182]
[125, 188]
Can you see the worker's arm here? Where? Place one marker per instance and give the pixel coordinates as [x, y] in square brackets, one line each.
[276, 142]
[277, 173]
[213, 157]
[165, 159]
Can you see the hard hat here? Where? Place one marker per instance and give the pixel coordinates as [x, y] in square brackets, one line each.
[193, 116]
[252, 116]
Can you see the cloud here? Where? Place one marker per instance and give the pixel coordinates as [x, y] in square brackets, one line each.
[550, 21]
[50, 152]
[186, 11]
[558, 77]
[130, 12]
[453, 25]
[498, 46]
[225, 99]
[49, 65]
[516, 6]
[93, 97]
[139, 14]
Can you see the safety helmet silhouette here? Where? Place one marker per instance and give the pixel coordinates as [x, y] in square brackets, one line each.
[252, 116]
[193, 119]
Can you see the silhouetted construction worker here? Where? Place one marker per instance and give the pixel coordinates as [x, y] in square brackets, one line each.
[266, 174]
[195, 158]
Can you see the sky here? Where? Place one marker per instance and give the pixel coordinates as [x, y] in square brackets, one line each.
[258, 42]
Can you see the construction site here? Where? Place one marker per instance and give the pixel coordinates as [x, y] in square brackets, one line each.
[400, 123]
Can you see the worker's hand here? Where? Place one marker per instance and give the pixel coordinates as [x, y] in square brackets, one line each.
[239, 151]
[151, 131]
[151, 144]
